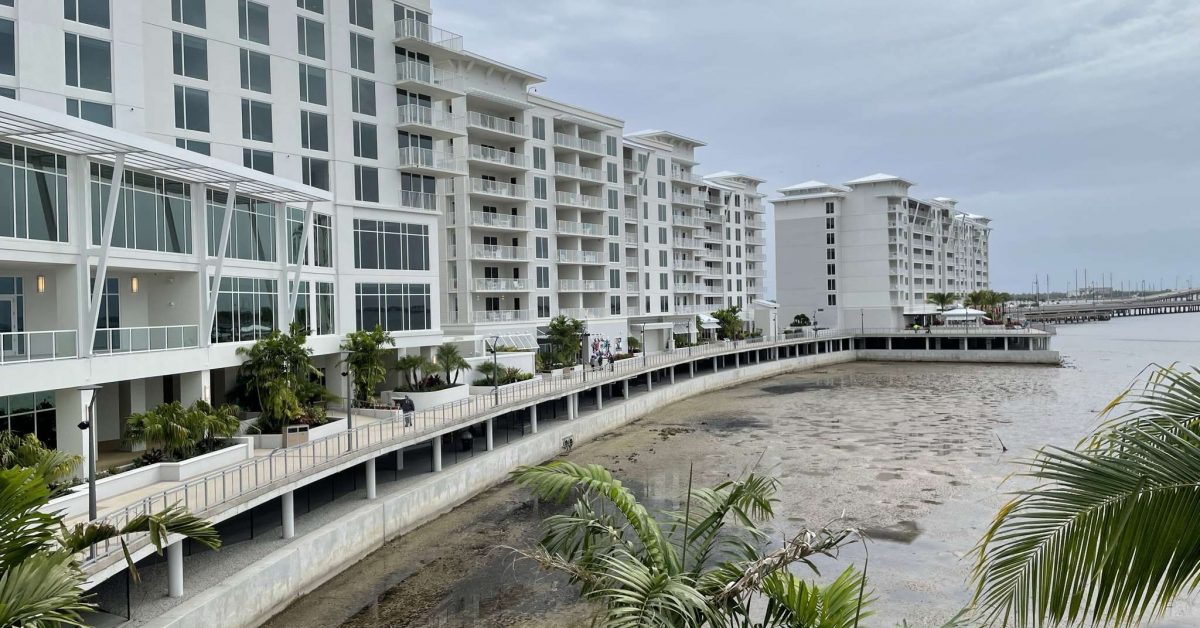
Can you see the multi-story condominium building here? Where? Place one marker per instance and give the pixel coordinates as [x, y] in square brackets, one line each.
[867, 253]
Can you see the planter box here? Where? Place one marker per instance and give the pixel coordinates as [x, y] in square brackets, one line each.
[487, 390]
[426, 400]
[201, 465]
[329, 429]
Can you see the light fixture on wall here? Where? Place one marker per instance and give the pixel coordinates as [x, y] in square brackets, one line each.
[134, 285]
[41, 284]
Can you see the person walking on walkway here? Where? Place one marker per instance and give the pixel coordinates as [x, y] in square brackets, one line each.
[407, 407]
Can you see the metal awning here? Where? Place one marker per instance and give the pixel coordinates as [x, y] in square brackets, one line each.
[499, 99]
[708, 322]
[42, 128]
[653, 326]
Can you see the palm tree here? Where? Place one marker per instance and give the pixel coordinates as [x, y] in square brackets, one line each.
[365, 357]
[181, 432]
[275, 367]
[941, 299]
[411, 367]
[451, 361]
[1108, 534]
[702, 566]
[41, 581]
[565, 336]
[50, 465]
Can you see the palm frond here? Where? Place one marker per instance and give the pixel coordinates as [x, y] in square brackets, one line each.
[792, 602]
[43, 590]
[27, 530]
[798, 549]
[638, 595]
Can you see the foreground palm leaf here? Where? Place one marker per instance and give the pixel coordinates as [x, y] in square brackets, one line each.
[1108, 535]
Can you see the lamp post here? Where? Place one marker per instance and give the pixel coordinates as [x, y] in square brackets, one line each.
[496, 368]
[88, 393]
[644, 359]
[349, 375]
[586, 352]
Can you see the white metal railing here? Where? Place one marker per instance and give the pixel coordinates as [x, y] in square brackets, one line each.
[494, 123]
[428, 117]
[38, 346]
[631, 189]
[497, 156]
[501, 285]
[631, 213]
[492, 219]
[710, 216]
[432, 76]
[578, 143]
[711, 289]
[580, 228]
[583, 313]
[756, 271]
[756, 240]
[685, 287]
[631, 238]
[756, 207]
[415, 157]
[756, 224]
[582, 285]
[688, 243]
[498, 188]
[578, 172]
[687, 199]
[755, 257]
[413, 29]
[684, 220]
[494, 251]
[145, 339]
[579, 200]
[631, 262]
[696, 309]
[686, 177]
[418, 200]
[580, 257]
[955, 330]
[629, 165]
[686, 264]
[500, 316]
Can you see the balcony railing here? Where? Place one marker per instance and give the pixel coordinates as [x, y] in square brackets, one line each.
[583, 313]
[500, 316]
[631, 189]
[502, 285]
[759, 241]
[491, 219]
[145, 339]
[578, 172]
[425, 74]
[686, 177]
[684, 220]
[37, 346]
[429, 117]
[685, 287]
[695, 309]
[631, 263]
[424, 201]
[423, 31]
[687, 199]
[414, 157]
[498, 188]
[582, 285]
[580, 257]
[493, 251]
[686, 264]
[631, 238]
[630, 165]
[755, 207]
[631, 213]
[496, 156]
[756, 224]
[580, 228]
[579, 200]
[711, 289]
[688, 243]
[493, 123]
[578, 143]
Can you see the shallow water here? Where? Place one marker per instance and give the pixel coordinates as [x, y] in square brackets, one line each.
[914, 454]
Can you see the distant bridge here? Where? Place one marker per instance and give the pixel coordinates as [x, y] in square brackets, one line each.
[1170, 302]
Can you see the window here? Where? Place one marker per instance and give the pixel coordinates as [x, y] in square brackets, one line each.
[322, 323]
[245, 309]
[33, 194]
[612, 170]
[310, 38]
[539, 128]
[385, 245]
[662, 281]
[393, 306]
[152, 213]
[662, 167]
[89, 63]
[831, 269]
[315, 172]
[360, 13]
[614, 305]
[543, 307]
[99, 113]
[256, 120]
[204, 148]
[253, 22]
[829, 223]
[542, 248]
[664, 304]
[610, 145]
[831, 284]
[539, 188]
[94, 12]
[662, 236]
[260, 160]
[540, 218]
[312, 84]
[614, 252]
[251, 231]
[190, 12]
[8, 48]
[662, 259]
[256, 71]
[613, 199]
[614, 226]
[829, 207]
[320, 241]
[366, 184]
[830, 253]
[191, 109]
[662, 212]
[31, 413]
[543, 277]
[829, 238]
[539, 158]
[832, 300]
[366, 140]
[190, 56]
[316, 6]
[614, 278]
[362, 52]
[314, 131]
[662, 188]
[362, 95]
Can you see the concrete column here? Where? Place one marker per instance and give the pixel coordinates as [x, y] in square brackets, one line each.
[599, 398]
[491, 439]
[737, 360]
[288, 507]
[625, 389]
[533, 418]
[195, 386]
[437, 453]
[672, 375]
[692, 368]
[370, 464]
[175, 569]
[715, 367]
[571, 407]
[399, 459]
[650, 380]
[69, 413]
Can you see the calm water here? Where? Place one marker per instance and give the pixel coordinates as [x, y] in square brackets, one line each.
[909, 452]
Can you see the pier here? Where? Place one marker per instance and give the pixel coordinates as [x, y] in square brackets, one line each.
[1174, 302]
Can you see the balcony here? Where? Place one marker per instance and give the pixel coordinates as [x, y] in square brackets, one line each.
[583, 173]
[685, 287]
[687, 199]
[145, 339]
[631, 189]
[580, 257]
[631, 214]
[426, 121]
[502, 285]
[498, 189]
[754, 223]
[423, 201]
[756, 207]
[496, 126]
[630, 166]
[582, 285]
[37, 346]
[584, 201]
[501, 316]
[631, 263]
[429, 80]
[686, 264]
[496, 252]
[711, 216]
[583, 313]
[756, 271]
[711, 289]
[756, 240]
[631, 239]
[686, 177]
[421, 37]
[430, 162]
[497, 220]
[755, 257]
[683, 220]
[570, 142]
[696, 309]
[581, 228]
[502, 159]
[688, 243]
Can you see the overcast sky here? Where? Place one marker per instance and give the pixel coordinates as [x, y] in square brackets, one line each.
[1075, 125]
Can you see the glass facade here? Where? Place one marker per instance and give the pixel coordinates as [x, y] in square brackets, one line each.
[31, 413]
[33, 194]
[383, 245]
[251, 233]
[393, 306]
[152, 213]
[315, 311]
[245, 309]
[320, 240]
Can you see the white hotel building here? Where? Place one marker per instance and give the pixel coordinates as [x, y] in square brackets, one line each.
[492, 210]
[868, 254]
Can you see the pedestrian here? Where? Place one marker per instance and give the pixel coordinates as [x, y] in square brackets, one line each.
[407, 407]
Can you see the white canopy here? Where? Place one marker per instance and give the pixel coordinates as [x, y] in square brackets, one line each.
[708, 322]
[961, 313]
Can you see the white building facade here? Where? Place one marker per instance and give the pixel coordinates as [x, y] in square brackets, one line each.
[866, 253]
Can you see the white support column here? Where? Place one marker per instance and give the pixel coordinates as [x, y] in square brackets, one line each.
[175, 569]
[599, 397]
[491, 438]
[533, 418]
[70, 411]
[737, 360]
[399, 459]
[672, 375]
[210, 306]
[571, 407]
[370, 477]
[97, 287]
[692, 368]
[715, 367]
[288, 507]
[625, 389]
[294, 287]
[650, 381]
[195, 386]
[437, 453]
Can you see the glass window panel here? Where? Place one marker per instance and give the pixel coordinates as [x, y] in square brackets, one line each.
[312, 84]
[253, 22]
[8, 48]
[256, 71]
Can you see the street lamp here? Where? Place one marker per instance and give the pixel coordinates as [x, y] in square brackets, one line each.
[495, 368]
[644, 360]
[586, 352]
[349, 375]
[88, 394]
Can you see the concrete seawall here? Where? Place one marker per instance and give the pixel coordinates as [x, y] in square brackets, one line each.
[972, 356]
[261, 590]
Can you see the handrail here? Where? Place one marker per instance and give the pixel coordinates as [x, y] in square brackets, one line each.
[145, 339]
[38, 346]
